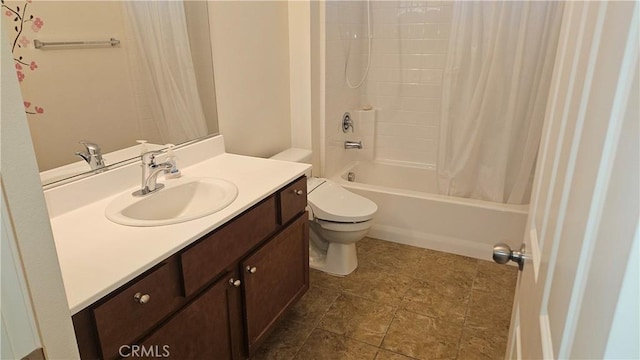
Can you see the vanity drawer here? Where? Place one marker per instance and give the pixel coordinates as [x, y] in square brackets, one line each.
[129, 314]
[293, 200]
[209, 257]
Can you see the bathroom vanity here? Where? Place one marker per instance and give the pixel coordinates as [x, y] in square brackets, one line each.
[209, 288]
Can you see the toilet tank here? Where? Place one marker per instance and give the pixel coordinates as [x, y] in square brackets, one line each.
[295, 155]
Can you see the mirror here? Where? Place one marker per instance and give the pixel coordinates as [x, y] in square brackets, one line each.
[110, 73]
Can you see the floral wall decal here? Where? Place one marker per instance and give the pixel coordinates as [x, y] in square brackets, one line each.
[21, 41]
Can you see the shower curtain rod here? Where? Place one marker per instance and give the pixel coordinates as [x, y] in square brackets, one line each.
[41, 44]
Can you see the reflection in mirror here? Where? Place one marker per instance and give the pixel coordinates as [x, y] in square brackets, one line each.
[156, 84]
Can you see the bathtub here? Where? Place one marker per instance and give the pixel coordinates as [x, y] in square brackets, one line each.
[410, 211]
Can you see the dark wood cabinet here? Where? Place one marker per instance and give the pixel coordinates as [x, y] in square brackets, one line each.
[292, 199]
[204, 329]
[275, 277]
[227, 245]
[137, 307]
[216, 299]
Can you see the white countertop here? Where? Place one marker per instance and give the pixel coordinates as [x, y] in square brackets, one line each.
[97, 256]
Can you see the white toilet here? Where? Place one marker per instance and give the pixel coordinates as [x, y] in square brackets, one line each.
[338, 218]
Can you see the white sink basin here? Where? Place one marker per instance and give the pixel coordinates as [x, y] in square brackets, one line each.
[181, 200]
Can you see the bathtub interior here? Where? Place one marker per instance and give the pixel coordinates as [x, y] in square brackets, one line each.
[394, 175]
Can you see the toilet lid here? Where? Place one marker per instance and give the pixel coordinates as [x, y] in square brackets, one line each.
[331, 202]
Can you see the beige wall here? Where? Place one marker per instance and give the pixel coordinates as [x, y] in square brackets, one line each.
[318, 53]
[200, 43]
[300, 73]
[251, 64]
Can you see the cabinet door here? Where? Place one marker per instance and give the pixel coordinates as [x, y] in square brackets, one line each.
[207, 328]
[275, 277]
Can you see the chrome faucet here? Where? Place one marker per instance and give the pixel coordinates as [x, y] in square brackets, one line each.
[353, 144]
[93, 155]
[150, 171]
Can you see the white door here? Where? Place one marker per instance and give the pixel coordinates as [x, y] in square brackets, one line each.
[19, 335]
[584, 207]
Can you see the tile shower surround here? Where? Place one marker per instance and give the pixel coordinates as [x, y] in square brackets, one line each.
[409, 48]
[401, 303]
[410, 44]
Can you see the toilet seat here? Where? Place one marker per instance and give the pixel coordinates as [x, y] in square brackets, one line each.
[330, 202]
[344, 226]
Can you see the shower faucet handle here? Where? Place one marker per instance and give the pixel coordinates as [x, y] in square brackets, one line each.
[347, 122]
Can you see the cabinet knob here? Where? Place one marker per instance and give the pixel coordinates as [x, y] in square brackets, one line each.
[141, 298]
[298, 192]
[252, 269]
[235, 282]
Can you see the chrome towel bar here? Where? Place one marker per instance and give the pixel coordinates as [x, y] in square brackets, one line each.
[41, 44]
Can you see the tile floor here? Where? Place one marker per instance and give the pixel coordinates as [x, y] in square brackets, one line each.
[401, 303]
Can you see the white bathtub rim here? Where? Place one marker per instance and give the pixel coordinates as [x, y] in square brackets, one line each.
[518, 209]
[409, 164]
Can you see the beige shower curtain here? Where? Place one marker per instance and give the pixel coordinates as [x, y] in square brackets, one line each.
[495, 87]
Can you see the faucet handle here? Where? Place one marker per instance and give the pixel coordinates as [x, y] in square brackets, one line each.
[92, 148]
[149, 158]
[347, 122]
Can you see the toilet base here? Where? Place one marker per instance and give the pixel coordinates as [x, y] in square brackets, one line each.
[340, 259]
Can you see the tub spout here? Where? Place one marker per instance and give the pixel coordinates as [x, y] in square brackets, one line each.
[353, 144]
